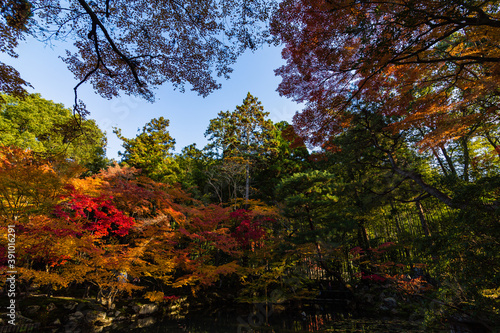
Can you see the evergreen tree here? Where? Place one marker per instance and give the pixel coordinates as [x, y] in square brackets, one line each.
[245, 133]
[150, 151]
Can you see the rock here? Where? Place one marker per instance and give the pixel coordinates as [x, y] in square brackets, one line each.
[70, 305]
[32, 310]
[94, 316]
[77, 316]
[146, 309]
[57, 322]
[145, 322]
[390, 302]
[22, 318]
[383, 308]
[98, 319]
[81, 306]
[72, 327]
[51, 307]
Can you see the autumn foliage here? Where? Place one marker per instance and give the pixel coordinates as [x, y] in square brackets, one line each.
[90, 230]
[97, 215]
[432, 65]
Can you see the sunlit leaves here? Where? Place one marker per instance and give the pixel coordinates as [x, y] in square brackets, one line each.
[51, 129]
[97, 215]
[150, 151]
[31, 184]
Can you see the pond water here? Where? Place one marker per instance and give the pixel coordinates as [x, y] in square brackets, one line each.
[256, 322]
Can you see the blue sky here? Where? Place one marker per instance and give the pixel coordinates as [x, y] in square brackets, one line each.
[189, 113]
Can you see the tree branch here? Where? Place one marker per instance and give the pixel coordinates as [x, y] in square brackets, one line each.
[95, 21]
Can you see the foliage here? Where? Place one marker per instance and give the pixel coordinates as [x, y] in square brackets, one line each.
[400, 197]
[242, 135]
[150, 150]
[248, 231]
[97, 215]
[30, 184]
[51, 129]
[432, 64]
[133, 46]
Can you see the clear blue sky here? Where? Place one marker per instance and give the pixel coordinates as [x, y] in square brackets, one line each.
[189, 113]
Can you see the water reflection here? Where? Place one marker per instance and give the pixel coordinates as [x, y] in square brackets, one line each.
[230, 321]
[225, 322]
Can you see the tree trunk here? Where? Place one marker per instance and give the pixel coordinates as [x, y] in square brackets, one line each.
[449, 160]
[465, 175]
[423, 221]
[321, 262]
[247, 184]
[417, 178]
[434, 152]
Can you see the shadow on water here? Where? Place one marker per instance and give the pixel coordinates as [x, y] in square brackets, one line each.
[283, 321]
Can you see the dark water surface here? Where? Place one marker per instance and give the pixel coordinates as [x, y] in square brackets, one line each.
[225, 322]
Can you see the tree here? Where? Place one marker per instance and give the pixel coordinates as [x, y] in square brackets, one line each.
[151, 150]
[134, 46]
[427, 62]
[310, 200]
[290, 156]
[192, 175]
[428, 69]
[50, 129]
[30, 184]
[244, 133]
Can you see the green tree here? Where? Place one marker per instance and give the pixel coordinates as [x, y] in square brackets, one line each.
[290, 156]
[51, 129]
[193, 164]
[245, 133]
[151, 151]
[310, 200]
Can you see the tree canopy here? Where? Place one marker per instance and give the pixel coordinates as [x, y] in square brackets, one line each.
[396, 208]
[431, 64]
[134, 46]
[150, 150]
[51, 129]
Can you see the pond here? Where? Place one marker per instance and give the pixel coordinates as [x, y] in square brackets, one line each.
[284, 321]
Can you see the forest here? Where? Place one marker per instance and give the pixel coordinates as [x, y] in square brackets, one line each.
[386, 186]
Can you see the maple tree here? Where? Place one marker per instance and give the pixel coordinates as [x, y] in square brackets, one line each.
[30, 184]
[346, 215]
[249, 230]
[98, 215]
[133, 46]
[429, 64]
